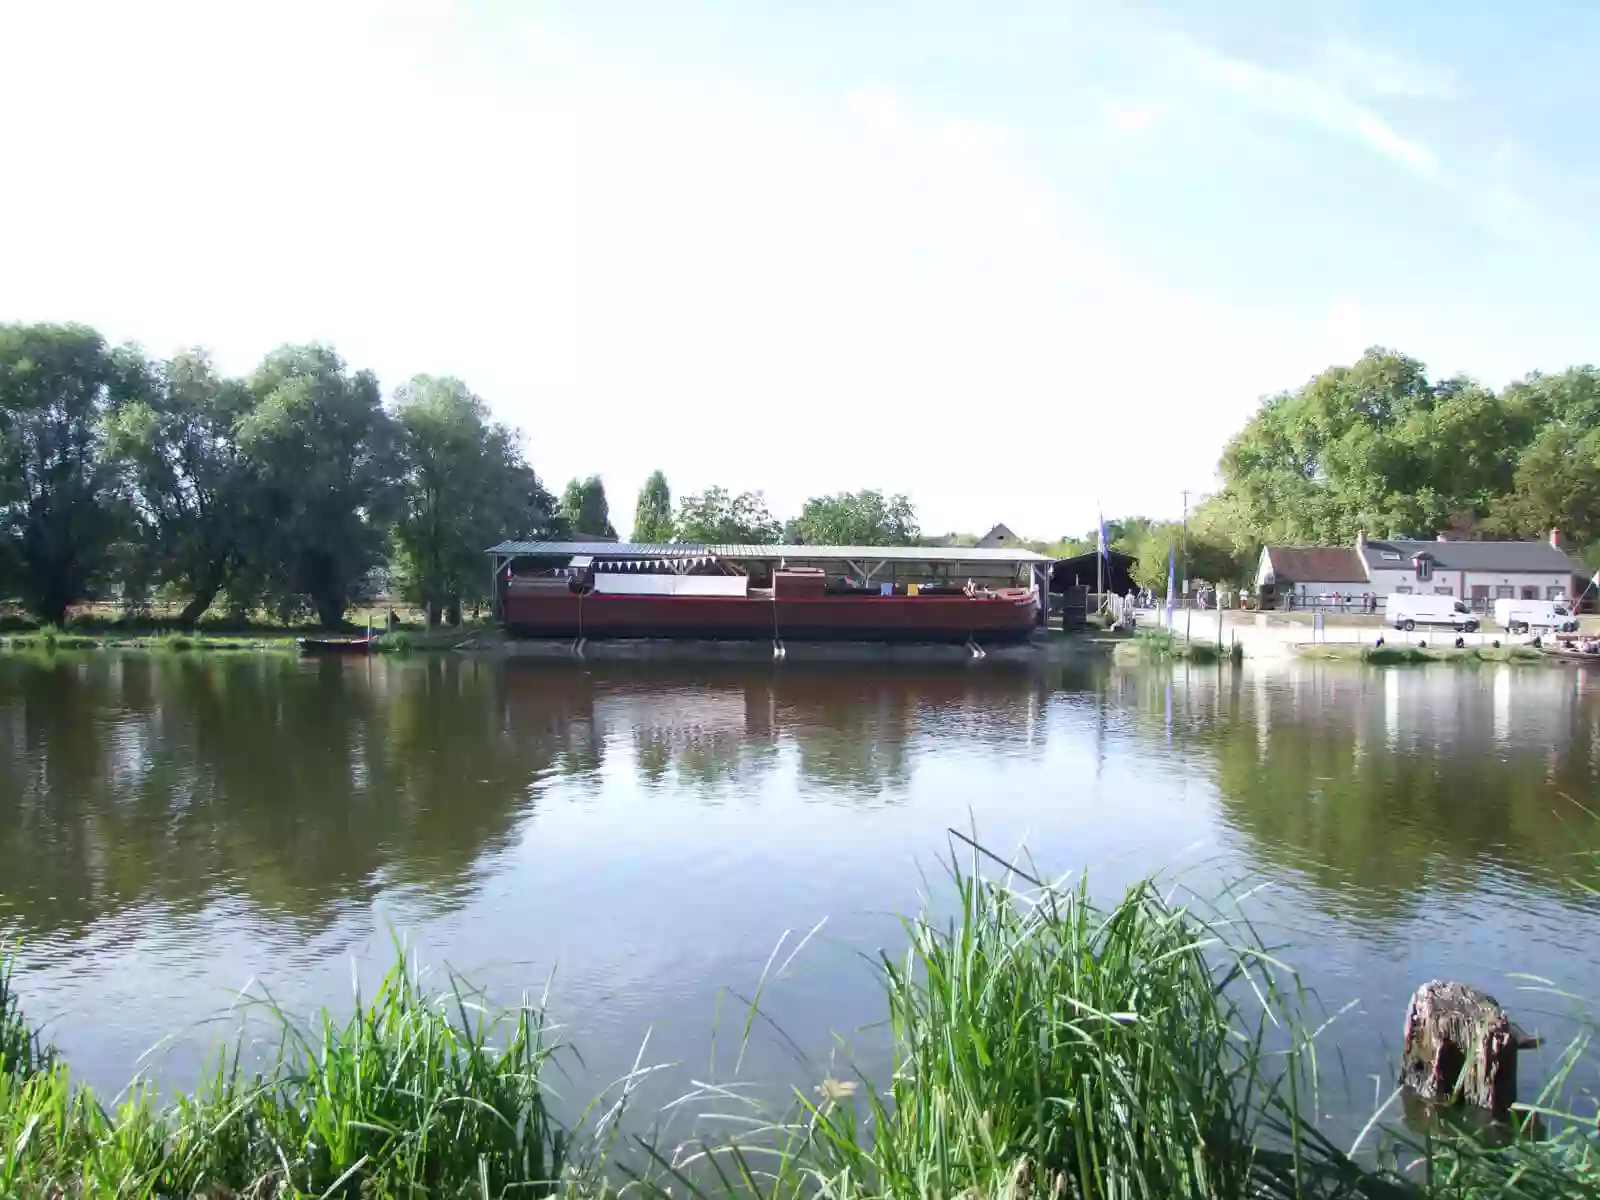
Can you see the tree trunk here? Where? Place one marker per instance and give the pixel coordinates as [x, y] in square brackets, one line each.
[432, 609]
[330, 611]
[1460, 1047]
[453, 612]
[205, 592]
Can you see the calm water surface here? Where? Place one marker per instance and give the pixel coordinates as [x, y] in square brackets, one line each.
[174, 827]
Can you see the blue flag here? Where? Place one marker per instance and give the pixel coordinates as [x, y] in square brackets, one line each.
[1172, 577]
[1103, 543]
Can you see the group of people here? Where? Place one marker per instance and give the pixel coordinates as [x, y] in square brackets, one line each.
[1366, 602]
[1204, 597]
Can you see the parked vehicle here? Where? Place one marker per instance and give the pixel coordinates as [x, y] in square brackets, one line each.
[1407, 612]
[1520, 616]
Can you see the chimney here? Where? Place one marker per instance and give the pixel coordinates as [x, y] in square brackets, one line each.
[1555, 538]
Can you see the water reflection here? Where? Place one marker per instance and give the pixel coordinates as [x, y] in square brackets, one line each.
[172, 826]
[301, 786]
[1385, 787]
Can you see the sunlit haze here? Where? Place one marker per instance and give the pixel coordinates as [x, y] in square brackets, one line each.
[1020, 261]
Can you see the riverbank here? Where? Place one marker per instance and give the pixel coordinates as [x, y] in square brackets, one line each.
[1043, 1047]
[1387, 655]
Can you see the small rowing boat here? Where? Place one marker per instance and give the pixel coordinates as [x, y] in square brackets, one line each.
[337, 645]
[1566, 653]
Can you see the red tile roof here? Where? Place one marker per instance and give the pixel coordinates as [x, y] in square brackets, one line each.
[1316, 564]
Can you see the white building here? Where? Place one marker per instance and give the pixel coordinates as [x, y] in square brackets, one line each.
[1303, 575]
[1478, 572]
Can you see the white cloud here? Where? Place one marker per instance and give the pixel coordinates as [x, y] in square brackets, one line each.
[1382, 73]
[1136, 118]
[1306, 99]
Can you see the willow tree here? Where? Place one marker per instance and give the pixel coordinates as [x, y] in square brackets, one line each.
[464, 485]
[320, 446]
[58, 510]
[172, 436]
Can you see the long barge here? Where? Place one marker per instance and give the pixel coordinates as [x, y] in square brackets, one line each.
[592, 591]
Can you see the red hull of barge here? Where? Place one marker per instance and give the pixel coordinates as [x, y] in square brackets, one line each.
[985, 619]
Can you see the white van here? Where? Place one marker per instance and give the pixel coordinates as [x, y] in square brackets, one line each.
[1520, 616]
[1407, 612]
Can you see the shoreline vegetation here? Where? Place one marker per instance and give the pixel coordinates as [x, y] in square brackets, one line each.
[1043, 1046]
[1161, 645]
[1407, 655]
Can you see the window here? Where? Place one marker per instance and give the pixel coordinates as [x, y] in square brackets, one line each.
[1480, 591]
[1402, 591]
[1390, 556]
[1424, 564]
[1439, 590]
[1505, 591]
[1530, 593]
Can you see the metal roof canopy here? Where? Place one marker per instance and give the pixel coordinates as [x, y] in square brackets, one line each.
[760, 553]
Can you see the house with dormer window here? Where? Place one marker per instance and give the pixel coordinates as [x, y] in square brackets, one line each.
[1475, 571]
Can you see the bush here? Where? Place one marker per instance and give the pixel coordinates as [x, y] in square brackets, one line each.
[398, 642]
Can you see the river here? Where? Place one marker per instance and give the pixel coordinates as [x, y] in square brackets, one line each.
[173, 827]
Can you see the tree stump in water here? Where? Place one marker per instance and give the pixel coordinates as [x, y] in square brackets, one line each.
[1461, 1047]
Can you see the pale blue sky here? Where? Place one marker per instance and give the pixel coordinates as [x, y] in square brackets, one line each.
[932, 247]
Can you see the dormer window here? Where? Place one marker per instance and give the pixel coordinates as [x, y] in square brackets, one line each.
[1424, 565]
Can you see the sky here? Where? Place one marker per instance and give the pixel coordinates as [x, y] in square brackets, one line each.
[1024, 262]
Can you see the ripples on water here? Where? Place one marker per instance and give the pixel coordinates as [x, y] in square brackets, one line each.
[173, 827]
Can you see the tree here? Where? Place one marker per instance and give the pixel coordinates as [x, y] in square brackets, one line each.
[1159, 544]
[172, 435]
[652, 515]
[864, 518]
[584, 506]
[464, 485]
[1371, 446]
[717, 517]
[1556, 479]
[58, 512]
[321, 447]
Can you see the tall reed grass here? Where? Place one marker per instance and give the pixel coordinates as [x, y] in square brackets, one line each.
[412, 1095]
[1043, 1047]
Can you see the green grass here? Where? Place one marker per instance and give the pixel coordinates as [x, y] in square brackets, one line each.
[1161, 645]
[1043, 1046]
[413, 1095]
[1403, 654]
[398, 642]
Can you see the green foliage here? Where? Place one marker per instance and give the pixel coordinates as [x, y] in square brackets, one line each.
[717, 517]
[584, 507]
[415, 1094]
[652, 515]
[398, 642]
[21, 1052]
[1160, 645]
[1043, 1046]
[864, 518]
[322, 450]
[463, 486]
[58, 512]
[171, 437]
[1376, 446]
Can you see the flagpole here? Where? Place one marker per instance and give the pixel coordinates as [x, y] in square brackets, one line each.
[1100, 561]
